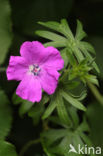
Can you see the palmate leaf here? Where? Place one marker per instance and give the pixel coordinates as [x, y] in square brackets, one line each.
[79, 49]
[57, 103]
[53, 135]
[50, 137]
[5, 116]
[62, 27]
[64, 114]
[57, 141]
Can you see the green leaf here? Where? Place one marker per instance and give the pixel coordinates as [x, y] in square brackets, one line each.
[24, 104]
[51, 24]
[56, 120]
[77, 140]
[49, 109]
[36, 112]
[25, 107]
[65, 29]
[76, 49]
[74, 115]
[78, 54]
[93, 79]
[97, 42]
[73, 101]
[80, 97]
[7, 149]
[16, 99]
[89, 57]
[71, 57]
[53, 135]
[5, 29]
[51, 36]
[55, 44]
[38, 109]
[83, 127]
[86, 139]
[62, 28]
[95, 115]
[64, 56]
[5, 116]
[45, 148]
[80, 34]
[61, 109]
[70, 85]
[88, 46]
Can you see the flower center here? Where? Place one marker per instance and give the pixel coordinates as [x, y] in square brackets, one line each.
[35, 69]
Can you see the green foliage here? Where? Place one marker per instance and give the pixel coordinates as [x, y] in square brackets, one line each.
[57, 141]
[5, 29]
[97, 42]
[24, 105]
[7, 149]
[61, 109]
[5, 116]
[79, 64]
[73, 101]
[37, 111]
[82, 71]
[95, 114]
[49, 109]
[5, 126]
[73, 44]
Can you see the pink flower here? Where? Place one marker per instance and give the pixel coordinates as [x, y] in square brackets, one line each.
[36, 69]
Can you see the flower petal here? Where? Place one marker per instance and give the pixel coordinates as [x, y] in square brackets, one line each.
[53, 58]
[17, 68]
[30, 89]
[32, 51]
[48, 82]
[35, 52]
[52, 72]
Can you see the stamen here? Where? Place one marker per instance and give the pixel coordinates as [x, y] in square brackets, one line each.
[35, 69]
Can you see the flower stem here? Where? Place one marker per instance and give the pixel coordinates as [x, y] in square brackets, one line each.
[96, 93]
[27, 145]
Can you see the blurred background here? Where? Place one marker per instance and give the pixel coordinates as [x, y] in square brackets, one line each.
[18, 22]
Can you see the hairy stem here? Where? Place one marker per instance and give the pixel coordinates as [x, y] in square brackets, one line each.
[26, 146]
[96, 93]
